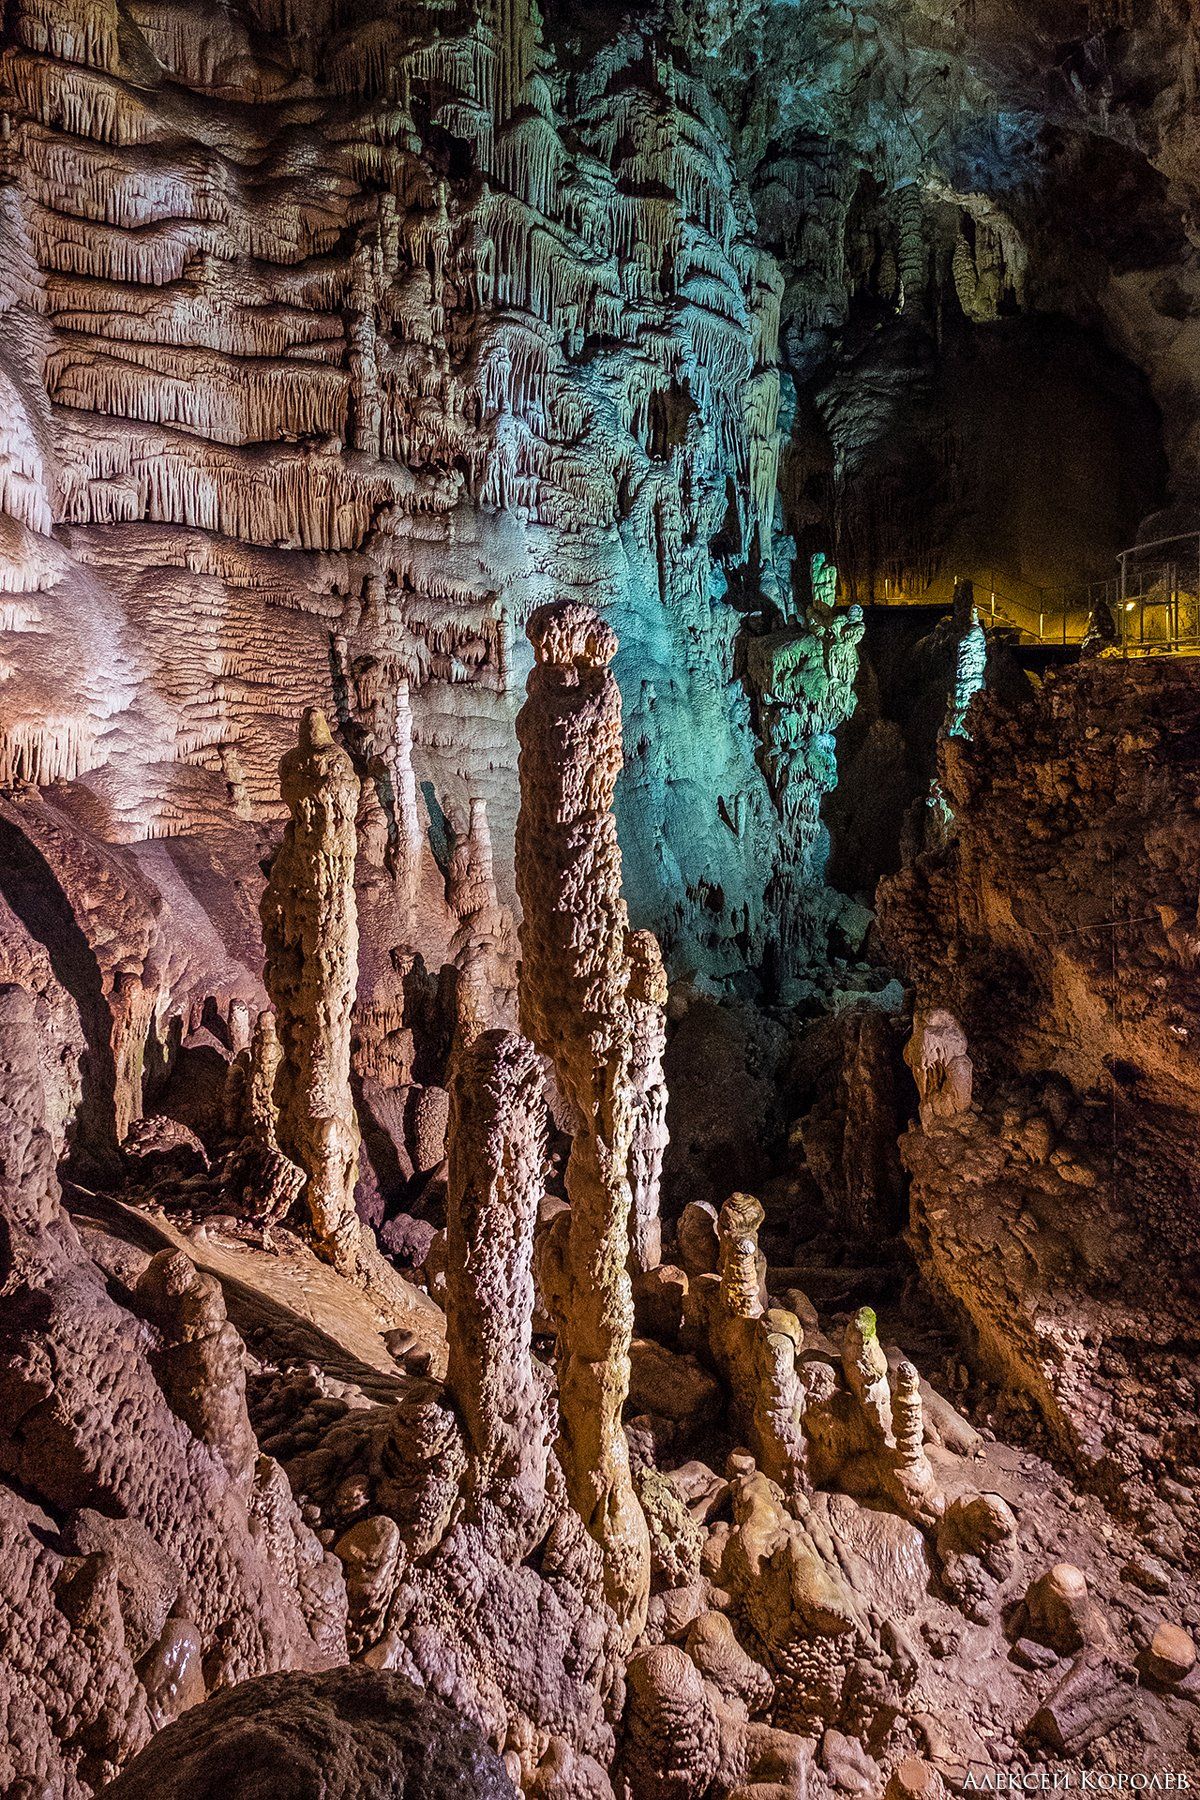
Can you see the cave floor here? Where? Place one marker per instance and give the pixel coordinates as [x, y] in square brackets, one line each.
[301, 1320]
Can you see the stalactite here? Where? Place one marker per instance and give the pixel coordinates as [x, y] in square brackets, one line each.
[233, 402]
[323, 345]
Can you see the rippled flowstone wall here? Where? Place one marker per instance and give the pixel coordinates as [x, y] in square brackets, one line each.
[328, 355]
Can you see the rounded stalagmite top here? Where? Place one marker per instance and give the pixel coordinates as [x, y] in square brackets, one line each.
[566, 635]
[314, 730]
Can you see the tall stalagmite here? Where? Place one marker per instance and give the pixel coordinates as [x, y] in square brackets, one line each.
[648, 1015]
[497, 1152]
[310, 931]
[576, 976]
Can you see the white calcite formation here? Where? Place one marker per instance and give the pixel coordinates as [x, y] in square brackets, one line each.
[326, 358]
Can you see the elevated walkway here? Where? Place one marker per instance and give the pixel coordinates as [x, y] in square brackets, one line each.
[1151, 607]
[1155, 600]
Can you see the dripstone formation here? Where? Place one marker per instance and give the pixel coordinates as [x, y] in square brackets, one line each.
[597, 1077]
[576, 977]
[310, 934]
[651, 1527]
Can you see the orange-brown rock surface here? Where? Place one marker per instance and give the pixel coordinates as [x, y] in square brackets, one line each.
[1051, 943]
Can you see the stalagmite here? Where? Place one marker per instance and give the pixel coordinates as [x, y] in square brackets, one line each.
[756, 1349]
[265, 1183]
[938, 1056]
[970, 659]
[497, 1152]
[866, 1369]
[647, 1009]
[310, 930]
[471, 886]
[406, 852]
[912, 1477]
[575, 1005]
[258, 1110]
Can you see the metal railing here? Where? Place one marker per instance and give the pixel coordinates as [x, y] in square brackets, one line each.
[1156, 597]
[1057, 621]
[1150, 608]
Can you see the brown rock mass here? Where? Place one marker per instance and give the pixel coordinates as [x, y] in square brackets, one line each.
[350, 1734]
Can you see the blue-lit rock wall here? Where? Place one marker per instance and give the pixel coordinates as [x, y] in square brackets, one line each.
[333, 355]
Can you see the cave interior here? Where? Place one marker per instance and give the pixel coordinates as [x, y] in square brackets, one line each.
[599, 898]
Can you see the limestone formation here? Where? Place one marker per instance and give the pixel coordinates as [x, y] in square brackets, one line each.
[265, 1184]
[913, 1482]
[1048, 1196]
[757, 1350]
[349, 1734]
[977, 1548]
[866, 1369]
[937, 1055]
[310, 930]
[576, 981]
[673, 1734]
[803, 678]
[371, 1553]
[648, 1023]
[176, 1563]
[970, 659]
[339, 345]
[497, 1163]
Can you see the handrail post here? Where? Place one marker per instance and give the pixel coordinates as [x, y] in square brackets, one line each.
[1121, 613]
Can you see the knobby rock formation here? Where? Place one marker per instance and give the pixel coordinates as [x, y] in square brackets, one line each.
[578, 997]
[310, 932]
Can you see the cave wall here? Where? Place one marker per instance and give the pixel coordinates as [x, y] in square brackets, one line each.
[328, 357]
[1056, 1213]
[983, 218]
